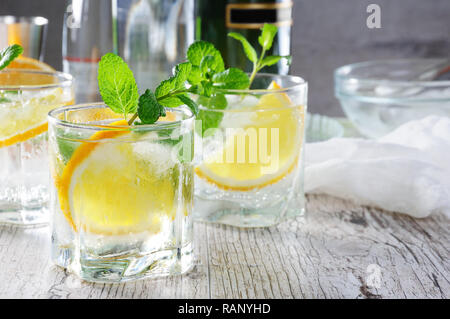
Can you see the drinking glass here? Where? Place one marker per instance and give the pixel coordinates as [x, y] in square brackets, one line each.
[29, 32]
[121, 196]
[26, 97]
[249, 169]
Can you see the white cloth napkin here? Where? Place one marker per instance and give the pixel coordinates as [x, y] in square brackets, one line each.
[406, 171]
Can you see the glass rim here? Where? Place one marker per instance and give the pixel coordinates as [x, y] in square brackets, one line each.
[64, 79]
[52, 119]
[299, 83]
[345, 74]
[36, 20]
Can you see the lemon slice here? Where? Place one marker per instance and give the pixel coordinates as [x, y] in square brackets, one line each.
[23, 115]
[283, 122]
[117, 188]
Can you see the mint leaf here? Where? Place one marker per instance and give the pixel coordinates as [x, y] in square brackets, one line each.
[195, 76]
[209, 66]
[232, 79]
[117, 84]
[168, 90]
[172, 101]
[165, 93]
[267, 35]
[248, 48]
[210, 118]
[206, 88]
[8, 54]
[219, 102]
[149, 110]
[270, 60]
[66, 148]
[165, 87]
[182, 72]
[199, 49]
[189, 102]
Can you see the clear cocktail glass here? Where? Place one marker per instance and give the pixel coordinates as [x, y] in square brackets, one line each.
[122, 196]
[26, 96]
[250, 170]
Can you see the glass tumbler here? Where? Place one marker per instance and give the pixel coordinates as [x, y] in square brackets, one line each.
[249, 164]
[121, 196]
[26, 97]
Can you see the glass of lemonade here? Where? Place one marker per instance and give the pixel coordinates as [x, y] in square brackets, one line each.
[121, 196]
[26, 96]
[249, 171]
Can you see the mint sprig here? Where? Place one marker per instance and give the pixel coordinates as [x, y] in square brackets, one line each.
[8, 54]
[265, 40]
[208, 73]
[119, 91]
[203, 74]
[149, 110]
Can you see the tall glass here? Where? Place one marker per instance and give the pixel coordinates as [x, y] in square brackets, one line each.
[250, 165]
[153, 36]
[88, 34]
[121, 196]
[25, 99]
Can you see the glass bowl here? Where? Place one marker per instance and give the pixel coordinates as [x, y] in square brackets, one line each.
[379, 96]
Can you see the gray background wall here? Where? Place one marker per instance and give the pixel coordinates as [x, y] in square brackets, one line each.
[327, 34]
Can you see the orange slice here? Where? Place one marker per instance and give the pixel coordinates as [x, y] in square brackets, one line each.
[30, 64]
[21, 137]
[24, 114]
[80, 154]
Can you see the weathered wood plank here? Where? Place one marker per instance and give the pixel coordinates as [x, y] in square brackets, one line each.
[326, 255]
[329, 255]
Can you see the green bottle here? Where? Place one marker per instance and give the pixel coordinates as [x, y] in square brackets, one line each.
[216, 18]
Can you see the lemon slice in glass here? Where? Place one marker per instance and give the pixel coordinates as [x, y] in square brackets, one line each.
[283, 121]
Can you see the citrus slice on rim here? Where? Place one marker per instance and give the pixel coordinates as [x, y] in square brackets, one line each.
[30, 64]
[273, 137]
[115, 185]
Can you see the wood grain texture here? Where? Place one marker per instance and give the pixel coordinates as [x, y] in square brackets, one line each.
[325, 255]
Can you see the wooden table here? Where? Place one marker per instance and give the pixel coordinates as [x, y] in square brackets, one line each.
[339, 251]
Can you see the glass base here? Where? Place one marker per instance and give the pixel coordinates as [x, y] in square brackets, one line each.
[229, 213]
[129, 267]
[31, 217]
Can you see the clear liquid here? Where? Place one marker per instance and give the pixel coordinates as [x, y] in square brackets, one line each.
[153, 243]
[23, 182]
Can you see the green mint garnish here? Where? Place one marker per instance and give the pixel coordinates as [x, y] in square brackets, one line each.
[8, 54]
[201, 49]
[203, 74]
[212, 119]
[117, 85]
[149, 110]
[231, 79]
[268, 33]
[119, 91]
